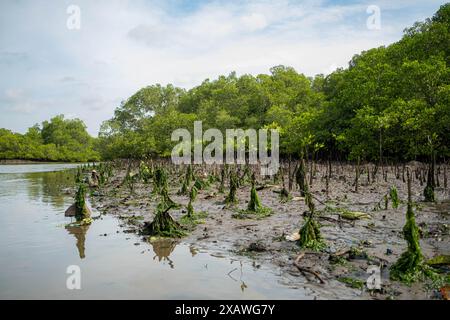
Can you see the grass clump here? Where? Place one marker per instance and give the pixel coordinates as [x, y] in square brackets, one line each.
[145, 172]
[393, 194]
[192, 217]
[410, 267]
[310, 236]
[231, 198]
[352, 283]
[161, 187]
[163, 224]
[81, 210]
[285, 196]
[254, 205]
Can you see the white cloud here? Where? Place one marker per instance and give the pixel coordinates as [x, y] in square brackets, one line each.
[254, 21]
[125, 45]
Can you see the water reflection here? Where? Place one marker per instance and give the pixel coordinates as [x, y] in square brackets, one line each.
[80, 234]
[37, 247]
[243, 286]
[162, 249]
[193, 250]
[50, 187]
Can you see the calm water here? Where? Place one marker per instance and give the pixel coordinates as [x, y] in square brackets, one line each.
[37, 246]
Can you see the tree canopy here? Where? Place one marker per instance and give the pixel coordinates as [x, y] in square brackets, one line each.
[56, 140]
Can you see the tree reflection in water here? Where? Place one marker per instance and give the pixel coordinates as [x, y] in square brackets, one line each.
[163, 248]
[51, 187]
[80, 234]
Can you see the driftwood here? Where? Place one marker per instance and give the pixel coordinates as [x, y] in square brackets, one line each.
[246, 225]
[339, 221]
[342, 252]
[307, 270]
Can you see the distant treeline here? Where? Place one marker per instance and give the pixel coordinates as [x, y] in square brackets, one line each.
[56, 140]
[391, 103]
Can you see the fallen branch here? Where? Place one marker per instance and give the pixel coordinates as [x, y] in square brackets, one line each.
[318, 200]
[307, 270]
[342, 252]
[300, 256]
[246, 225]
[264, 186]
[335, 220]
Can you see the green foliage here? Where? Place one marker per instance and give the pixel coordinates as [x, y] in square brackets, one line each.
[388, 103]
[159, 180]
[193, 218]
[439, 260]
[428, 193]
[78, 175]
[310, 236]
[187, 181]
[193, 193]
[352, 283]
[81, 210]
[163, 225]
[56, 140]
[144, 172]
[130, 180]
[184, 188]
[410, 267]
[254, 206]
[394, 197]
[161, 187]
[231, 197]
[200, 184]
[284, 195]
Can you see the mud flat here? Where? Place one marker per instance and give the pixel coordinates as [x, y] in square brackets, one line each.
[339, 271]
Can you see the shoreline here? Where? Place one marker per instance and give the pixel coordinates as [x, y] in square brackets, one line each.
[21, 161]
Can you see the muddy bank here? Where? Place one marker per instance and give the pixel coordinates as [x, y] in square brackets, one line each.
[340, 272]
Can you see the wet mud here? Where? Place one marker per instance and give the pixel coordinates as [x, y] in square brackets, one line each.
[340, 271]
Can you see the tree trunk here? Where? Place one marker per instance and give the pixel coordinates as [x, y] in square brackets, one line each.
[357, 176]
[445, 177]
[289, 174]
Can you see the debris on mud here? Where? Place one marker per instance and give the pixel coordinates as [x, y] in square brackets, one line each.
[353, 230]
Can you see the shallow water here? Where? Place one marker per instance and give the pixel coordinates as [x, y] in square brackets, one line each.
[37, 247]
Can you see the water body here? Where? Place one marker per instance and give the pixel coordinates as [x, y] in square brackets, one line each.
[38, 246]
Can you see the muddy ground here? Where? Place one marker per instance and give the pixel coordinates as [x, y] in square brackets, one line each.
[378, 239]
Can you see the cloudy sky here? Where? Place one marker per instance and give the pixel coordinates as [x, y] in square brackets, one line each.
[47, 68]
